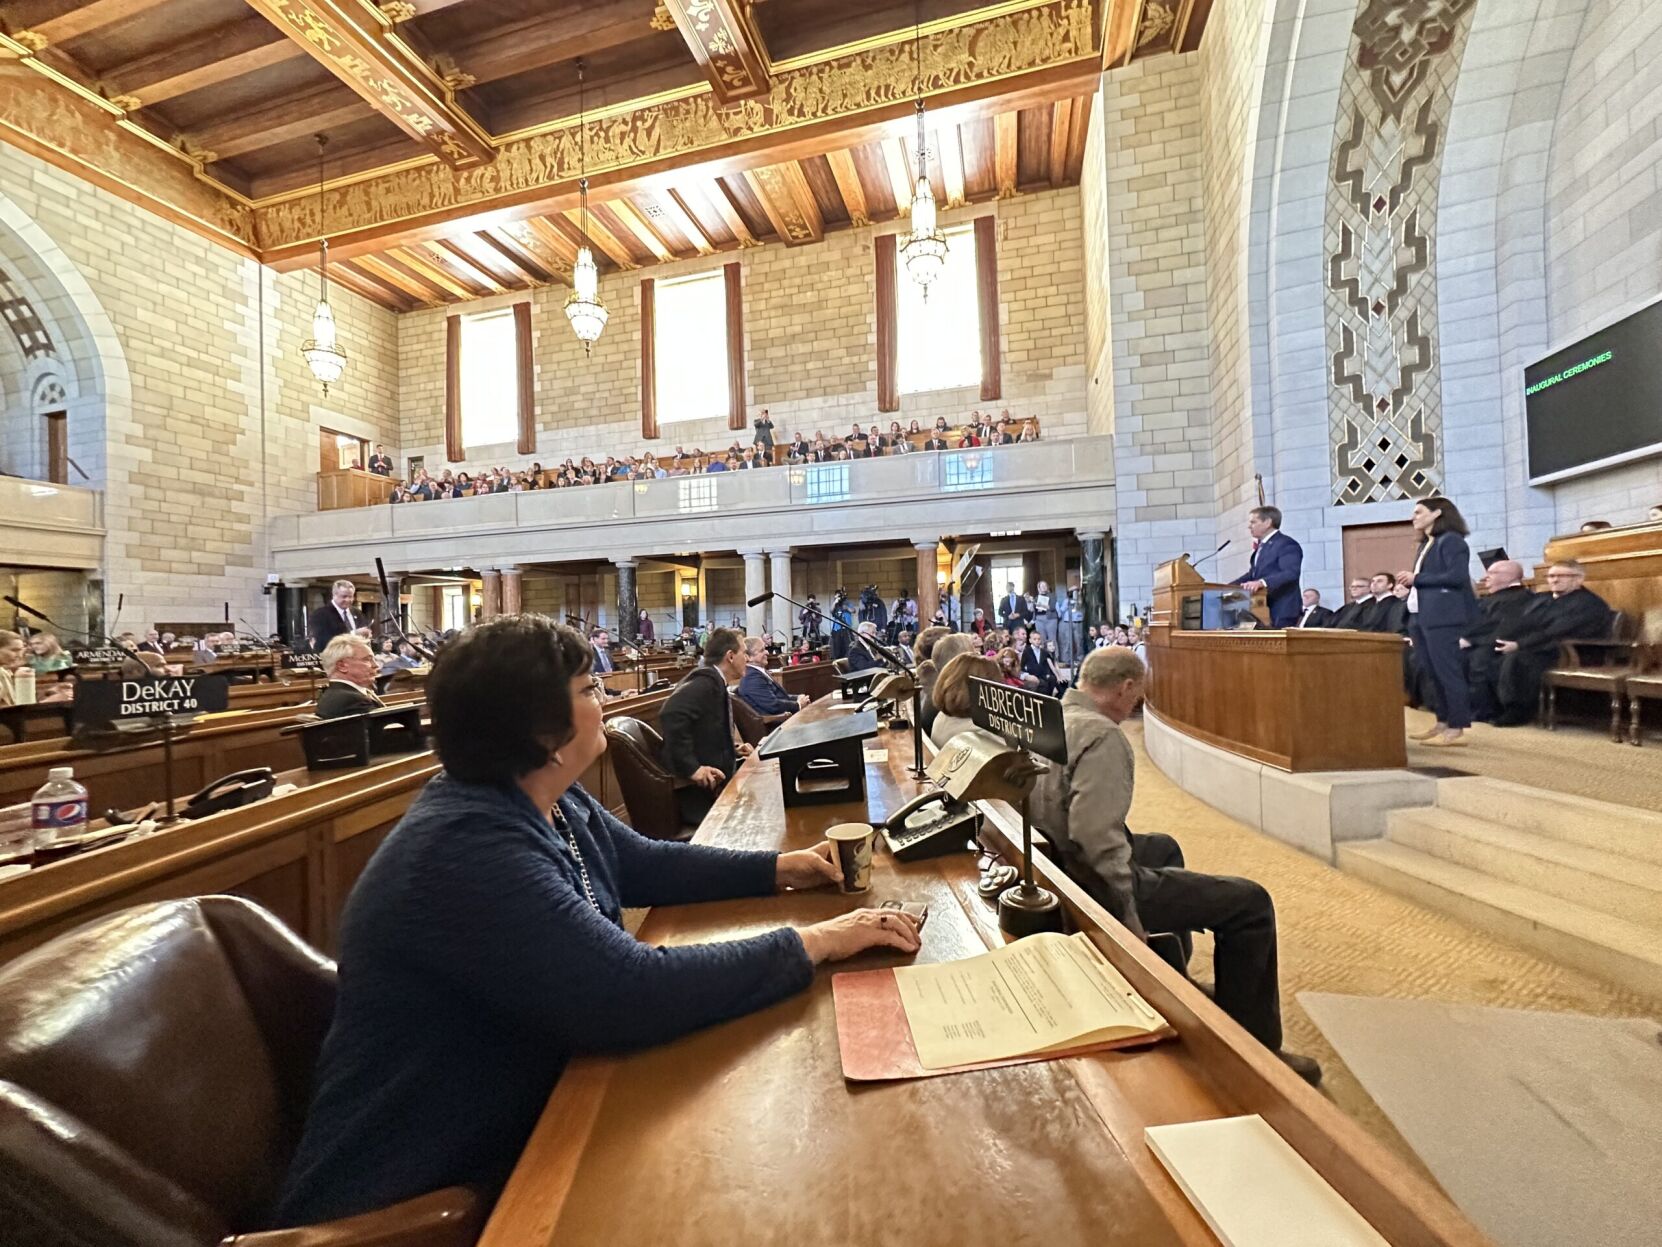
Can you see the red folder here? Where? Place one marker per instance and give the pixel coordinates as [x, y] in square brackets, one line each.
[876, 1040]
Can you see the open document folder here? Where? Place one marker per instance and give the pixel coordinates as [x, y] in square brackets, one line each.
[1045, 996]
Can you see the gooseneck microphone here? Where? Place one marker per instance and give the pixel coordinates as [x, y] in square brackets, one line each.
[131, 667]
[1208, 558]
[392, 613]
[888, 657]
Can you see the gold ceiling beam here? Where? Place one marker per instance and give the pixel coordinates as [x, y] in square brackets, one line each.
[952, 164]
[726, 44]
[355, 43]
[789, 203]
[849, 186]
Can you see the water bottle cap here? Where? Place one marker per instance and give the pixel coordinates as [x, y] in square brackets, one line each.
[61, 772]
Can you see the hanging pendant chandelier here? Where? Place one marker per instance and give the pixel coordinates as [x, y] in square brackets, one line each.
[322, 350]
[924, 248]
[584, 309]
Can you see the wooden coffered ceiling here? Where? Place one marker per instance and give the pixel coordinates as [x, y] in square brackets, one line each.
[794, 202]
[454, 146]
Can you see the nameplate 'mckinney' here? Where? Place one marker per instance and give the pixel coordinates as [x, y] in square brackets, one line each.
[99, 703]
[302, 662]
[1026, 720]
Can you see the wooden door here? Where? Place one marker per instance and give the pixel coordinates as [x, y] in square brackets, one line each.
[57, 447]
[1371, 548]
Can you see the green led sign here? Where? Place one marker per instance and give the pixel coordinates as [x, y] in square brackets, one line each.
[1548, 382]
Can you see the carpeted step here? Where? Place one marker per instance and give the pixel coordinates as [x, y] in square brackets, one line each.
[1620, 829]
[1614, 949]
[1625, 887]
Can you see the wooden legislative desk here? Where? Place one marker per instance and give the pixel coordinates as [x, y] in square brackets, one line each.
[298, 854]
[1624, 565]
[1303, 699]
[747, 1133]
[352, 487]
[131, 775]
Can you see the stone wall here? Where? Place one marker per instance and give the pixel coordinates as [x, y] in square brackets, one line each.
[207, 419]
[1149, 198]
[809, 345]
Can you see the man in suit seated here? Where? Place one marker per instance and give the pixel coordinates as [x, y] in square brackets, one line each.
[1381, 611]
[335, 616]
[1314, 615]
[760, 691]
[1501, 608]
[696, 723]
[859, 657]
[600, 641]
[349, 663]
[1082, 807]
[1276, 563]
[1569, 611]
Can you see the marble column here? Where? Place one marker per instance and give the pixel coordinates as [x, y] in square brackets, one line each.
[755, 583]
[490, 594]
[628, 602]
[513, 590]
[929, 589]
[783, 613]
[1093, 578]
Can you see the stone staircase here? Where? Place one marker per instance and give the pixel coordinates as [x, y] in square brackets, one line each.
[1575, 879]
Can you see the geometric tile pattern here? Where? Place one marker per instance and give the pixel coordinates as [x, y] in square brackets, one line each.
[19, 314]
[1385, 413]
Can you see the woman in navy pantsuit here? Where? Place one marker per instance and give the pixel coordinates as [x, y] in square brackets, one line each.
[1441, 606]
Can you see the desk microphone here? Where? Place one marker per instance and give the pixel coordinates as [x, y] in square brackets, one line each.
[1208, 558]
[392, 613]
[131, 667]
[888, 657]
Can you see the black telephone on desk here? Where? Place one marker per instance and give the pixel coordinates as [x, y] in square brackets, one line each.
[230, 792]
[918, 830]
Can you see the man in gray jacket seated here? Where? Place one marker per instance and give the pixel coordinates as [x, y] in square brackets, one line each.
[1082, 807]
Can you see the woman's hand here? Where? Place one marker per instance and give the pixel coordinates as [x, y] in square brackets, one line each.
[808, 868]
[855, 932]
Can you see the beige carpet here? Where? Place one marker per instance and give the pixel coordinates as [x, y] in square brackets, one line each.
[1339, 934]
[1582, 760]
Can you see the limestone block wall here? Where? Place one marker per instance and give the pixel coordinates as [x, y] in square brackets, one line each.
[209, 420]
[1150, 200]
[810, 343]
[1604, 217]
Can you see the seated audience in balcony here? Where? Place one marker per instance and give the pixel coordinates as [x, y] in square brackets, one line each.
[937, 442]
[349, 663]
[953, 695]
[716, 464]
[969, 437]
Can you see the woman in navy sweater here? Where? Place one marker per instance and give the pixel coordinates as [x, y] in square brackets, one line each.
[1441, 607]
[483, 945]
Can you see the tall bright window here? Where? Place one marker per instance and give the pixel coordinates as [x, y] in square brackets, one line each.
[940, 340]
[490, 379]
[689, 340]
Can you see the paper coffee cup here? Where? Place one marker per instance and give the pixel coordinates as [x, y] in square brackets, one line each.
[852, 844]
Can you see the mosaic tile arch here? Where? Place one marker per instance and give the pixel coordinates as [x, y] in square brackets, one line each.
[1385, 417]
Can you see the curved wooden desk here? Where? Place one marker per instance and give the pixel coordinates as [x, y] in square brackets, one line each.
[747, 1133]
[1316, 699]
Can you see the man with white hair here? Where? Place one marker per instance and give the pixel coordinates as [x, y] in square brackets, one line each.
[349, 663]
[335, 616]
[859, 657]
[1082, 807]
[758, 687]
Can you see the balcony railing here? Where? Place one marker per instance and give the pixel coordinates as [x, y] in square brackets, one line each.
[47, 525]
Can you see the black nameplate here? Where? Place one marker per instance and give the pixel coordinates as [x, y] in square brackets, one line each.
[100, 703]
[100, 656]
[302, 662]
[1026, 720]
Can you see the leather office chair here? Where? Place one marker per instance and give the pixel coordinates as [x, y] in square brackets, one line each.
[155, 1069]
[648, 789]
[752, 724]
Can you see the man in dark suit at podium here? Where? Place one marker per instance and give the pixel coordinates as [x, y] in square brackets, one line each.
[1276, 562]
[335, 616]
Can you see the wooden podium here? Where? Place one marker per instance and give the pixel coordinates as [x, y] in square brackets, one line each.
[1177, 580]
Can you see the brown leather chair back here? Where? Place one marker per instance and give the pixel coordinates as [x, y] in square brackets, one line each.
[648, 789]
[749, 723]
[155, 1070]
[182, 1035]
